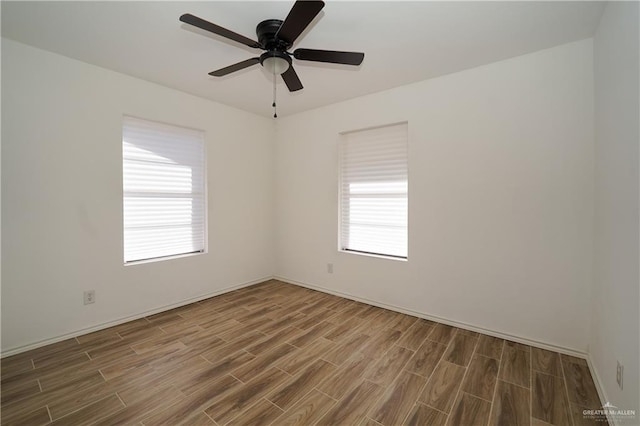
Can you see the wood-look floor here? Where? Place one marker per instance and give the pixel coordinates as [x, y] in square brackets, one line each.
[279, 354]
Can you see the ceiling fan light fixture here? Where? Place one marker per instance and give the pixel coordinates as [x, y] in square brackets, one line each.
[275, 62]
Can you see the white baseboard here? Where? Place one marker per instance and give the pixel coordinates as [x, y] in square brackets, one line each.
[34, 345]
[600, 389]
[471, 327]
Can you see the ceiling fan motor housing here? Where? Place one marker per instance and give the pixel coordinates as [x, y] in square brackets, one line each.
[276, 49]
[266, 31]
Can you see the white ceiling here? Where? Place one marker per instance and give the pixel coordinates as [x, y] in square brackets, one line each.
[403, 42]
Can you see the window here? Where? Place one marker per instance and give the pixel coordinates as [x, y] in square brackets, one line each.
[163, 190]
[373, 191]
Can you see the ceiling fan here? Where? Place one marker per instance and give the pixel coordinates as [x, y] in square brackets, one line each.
[276, 37]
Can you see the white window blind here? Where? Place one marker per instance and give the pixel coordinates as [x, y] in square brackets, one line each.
[373, 191]
[163, 190]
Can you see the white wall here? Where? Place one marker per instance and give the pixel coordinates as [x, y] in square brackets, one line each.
[615, 325]
[500, 197]
[62, 197]
[0, 204]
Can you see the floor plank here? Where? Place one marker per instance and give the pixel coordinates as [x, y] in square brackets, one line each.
[344, 378]
[460, 349]
[144, 407]
[261, 414]
[343, 351]
[232, 404]
[469, 411]
[549, 401]
[307, 411]
[423, 415]
[312, 333]
[490, 346]
[426, 358]
[20, 391]
[510, 405]
[186, 408]
[515, 367]
[300, 359]
[398, 400]
[342, 329]
[36, 417]
[546, 362]
[580, 386]
[380, 343]
[259, 364]
[388, 367]
[442, 334]
[274, 340]
[352, 408]
[416, 335]
[93, 412]
[15, 364]
[442, 387]
[297, 387]
[192, 383]
[481, 377]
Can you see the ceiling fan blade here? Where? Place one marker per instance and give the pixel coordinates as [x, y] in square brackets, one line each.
[299, 17]
[291, 79]
[235, 67]
[332, 56]
[216, 29]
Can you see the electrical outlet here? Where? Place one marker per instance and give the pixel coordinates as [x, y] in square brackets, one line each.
[619, 374]
[330, 268]
[89, 297]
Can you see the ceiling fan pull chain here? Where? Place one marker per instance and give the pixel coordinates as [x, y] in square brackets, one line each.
[275, 111]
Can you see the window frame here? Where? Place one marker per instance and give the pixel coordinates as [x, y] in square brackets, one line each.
[341, 207]
[205, 198]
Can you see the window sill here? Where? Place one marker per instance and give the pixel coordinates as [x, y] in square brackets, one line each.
[379, 256]
[160, 259]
